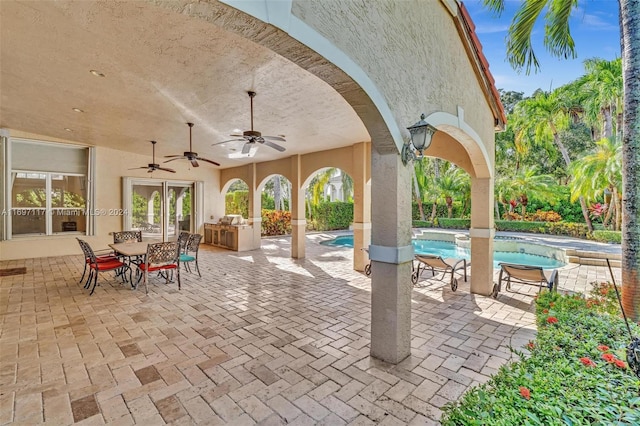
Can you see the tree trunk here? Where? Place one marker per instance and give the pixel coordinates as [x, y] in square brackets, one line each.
[630, 24]
[434, 210]
[567, 160]
[416, 193]
[449, 207]
[607, 125]
[277, 193]
[496, 208]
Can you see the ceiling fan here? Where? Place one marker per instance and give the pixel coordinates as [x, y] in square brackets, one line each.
[154, 166]
[251, 137]
[190, 155]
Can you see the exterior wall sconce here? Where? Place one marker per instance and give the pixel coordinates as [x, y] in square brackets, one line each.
[421, 134]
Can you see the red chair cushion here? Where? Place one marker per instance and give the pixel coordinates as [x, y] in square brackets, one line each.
[103, 258]
[107, 265]
[143, 266]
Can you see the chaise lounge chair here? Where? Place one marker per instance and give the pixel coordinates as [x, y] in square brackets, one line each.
[437, 263]
[525, 274]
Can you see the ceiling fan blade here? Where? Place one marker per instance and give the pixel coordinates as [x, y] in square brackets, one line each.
[230, 140]
[275, 138]
[136, 168]
[246, 148]
[166, 170]
[194, 163]
[173, 156]
[208, 161]
[177, 157]
[274, 146]
[150, 170]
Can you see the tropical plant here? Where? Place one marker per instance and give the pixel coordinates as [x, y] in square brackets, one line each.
[559, 42]
[602, 86]
[527, 182]
[450, 185]
[573, 373]
[598, 172]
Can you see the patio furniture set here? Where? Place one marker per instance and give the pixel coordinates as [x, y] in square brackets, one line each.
[129, 252]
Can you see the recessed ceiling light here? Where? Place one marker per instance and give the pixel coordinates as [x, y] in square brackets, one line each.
[68, 129]
[236, 131]
[96, 73]
[77, 109]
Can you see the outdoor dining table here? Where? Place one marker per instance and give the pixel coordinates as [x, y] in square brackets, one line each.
[130, 249]
[134, 252]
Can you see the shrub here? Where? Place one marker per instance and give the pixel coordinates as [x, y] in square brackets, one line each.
[575, 373]
[275, 222]
[607, 236]
[332, 215]
[446, 223]
[544, 216]
[441, 210]
[422, 224]
[578, 230]
[519, 226]
[237, 202]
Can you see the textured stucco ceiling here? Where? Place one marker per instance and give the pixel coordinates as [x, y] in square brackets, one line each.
[162, 69]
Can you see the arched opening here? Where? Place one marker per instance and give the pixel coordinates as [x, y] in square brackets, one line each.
[236, 198]
[329, 200]
[275, 197]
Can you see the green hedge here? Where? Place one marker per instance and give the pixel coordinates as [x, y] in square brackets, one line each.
[328, 216]
[422, 224]
[237, 202]
[573, 374]
[521, 226]
[607, 236]
[570, 212]
[446, 223]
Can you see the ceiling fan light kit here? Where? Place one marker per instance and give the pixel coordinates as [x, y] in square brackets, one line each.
[251, 137]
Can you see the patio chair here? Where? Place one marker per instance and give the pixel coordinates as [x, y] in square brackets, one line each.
[104, 265]
[161, 257]
[105, 255]
[525, 274]
[182, 240]
[192, 246]
[127, 236]
[438, 264]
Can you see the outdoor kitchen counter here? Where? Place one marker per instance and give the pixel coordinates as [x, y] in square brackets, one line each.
[232, 237]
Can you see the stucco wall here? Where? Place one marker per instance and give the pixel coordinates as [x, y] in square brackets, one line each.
[412, 52]
[111, 166]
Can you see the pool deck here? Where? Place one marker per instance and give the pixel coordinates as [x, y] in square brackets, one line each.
[260, 339]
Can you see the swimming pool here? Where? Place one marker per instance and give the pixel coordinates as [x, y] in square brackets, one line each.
[448, 249]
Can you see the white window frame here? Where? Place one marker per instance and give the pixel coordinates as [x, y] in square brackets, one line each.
[8, 190]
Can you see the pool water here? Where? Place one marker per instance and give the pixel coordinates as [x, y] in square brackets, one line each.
[446, 249]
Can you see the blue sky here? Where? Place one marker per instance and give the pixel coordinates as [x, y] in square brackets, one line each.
[594, 27]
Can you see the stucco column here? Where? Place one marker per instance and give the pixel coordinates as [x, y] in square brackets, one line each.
[482, 232]
[255, 208]
[298, 221]
[392, 253]
[361, 204]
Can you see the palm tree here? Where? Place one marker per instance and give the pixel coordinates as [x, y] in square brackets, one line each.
[537, 121]
[598, 172]
[527, 182]
[559, 42]
[450, 184]
[418, 170]
[603, 89]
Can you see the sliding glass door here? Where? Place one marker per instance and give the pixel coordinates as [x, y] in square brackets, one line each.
[160, 209]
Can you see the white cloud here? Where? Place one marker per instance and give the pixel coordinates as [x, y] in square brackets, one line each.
[491, 28]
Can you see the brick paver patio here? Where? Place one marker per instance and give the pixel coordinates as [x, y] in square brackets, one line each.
[259, 339]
